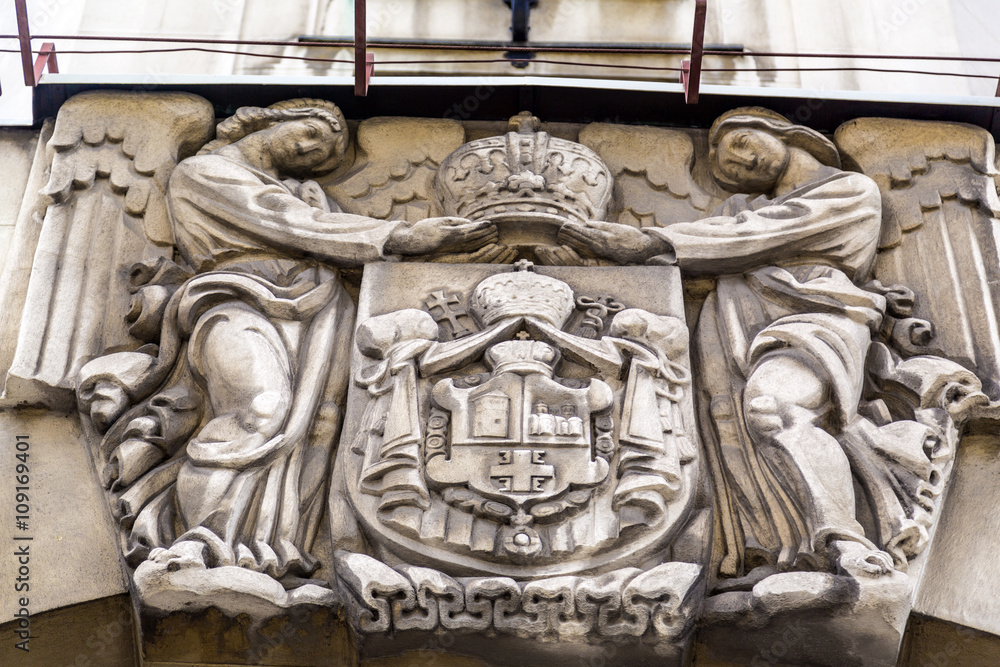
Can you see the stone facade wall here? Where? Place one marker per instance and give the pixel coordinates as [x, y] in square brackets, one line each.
[315, 393]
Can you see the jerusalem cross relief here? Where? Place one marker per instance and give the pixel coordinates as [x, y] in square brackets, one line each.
[589, 395]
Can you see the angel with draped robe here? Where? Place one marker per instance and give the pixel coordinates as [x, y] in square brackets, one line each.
[221, 436]
[781, 349]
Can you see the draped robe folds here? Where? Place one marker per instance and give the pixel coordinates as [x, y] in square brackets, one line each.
[787, 269]
[265, 263]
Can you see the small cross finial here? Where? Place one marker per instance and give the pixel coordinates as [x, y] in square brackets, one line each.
[524, 265]
[524, 123]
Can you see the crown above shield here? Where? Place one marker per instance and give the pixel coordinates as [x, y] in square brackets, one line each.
[522, 294]
[526, 181]
[522, 357]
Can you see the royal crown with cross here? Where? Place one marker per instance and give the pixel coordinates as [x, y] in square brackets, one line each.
[526, 181]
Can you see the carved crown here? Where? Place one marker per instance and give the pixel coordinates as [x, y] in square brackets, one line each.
[522, 293]
[525, 176]
[522, 356]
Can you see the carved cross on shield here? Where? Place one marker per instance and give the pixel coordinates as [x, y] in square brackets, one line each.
[520, 438]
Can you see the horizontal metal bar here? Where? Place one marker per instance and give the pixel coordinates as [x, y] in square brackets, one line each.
[475, 44]
[554, 99]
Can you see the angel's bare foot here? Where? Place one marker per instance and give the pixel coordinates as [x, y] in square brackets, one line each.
[180, 555]
[857, 559]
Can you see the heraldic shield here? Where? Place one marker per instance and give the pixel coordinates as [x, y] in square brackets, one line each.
[520, 437]
[517, 421]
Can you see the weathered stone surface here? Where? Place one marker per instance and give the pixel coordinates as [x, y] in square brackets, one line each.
[18, 148]
[939, 198]
[20, 253]
[968, 535]
[103, 208]
[738, 450]
[517, 540]
[813, 618]
[303, 637]
[934, 642]
[100, 631]
[73, 551]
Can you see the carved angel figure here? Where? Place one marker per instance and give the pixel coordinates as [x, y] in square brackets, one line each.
[782, 344]
[222, 457]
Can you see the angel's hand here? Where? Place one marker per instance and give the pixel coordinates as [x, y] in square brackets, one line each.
[311, 193]
[494, 253]
[620, 243]
[449, 234]
[736, 204]
[563, 255]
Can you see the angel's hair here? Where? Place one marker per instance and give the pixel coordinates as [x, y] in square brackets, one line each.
[248, 120]
[758, 118]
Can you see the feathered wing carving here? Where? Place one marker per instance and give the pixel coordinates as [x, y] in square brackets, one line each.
[103, 209]
[940, 229]
[652, 167]
[397, 160]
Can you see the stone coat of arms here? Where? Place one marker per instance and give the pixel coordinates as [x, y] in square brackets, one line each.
[581, 389]
[525, 445]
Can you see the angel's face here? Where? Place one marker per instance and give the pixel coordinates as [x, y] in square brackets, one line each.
[753, 158]
[298, 146]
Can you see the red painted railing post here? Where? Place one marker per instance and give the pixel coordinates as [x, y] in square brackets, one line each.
[363, 61]
[691, 74]
[46, 57]
[24, 38]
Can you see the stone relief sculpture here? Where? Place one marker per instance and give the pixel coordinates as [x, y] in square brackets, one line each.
[546, 465]
[659, 415]
[796, 324]
[652, 188]
[223, 454]
[105, 199]
[525, 181]
[940, 209]
[524, 448]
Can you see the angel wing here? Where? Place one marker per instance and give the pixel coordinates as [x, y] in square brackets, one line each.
[940, 232]
[102, 209]
[397, 160]
[652, 168]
